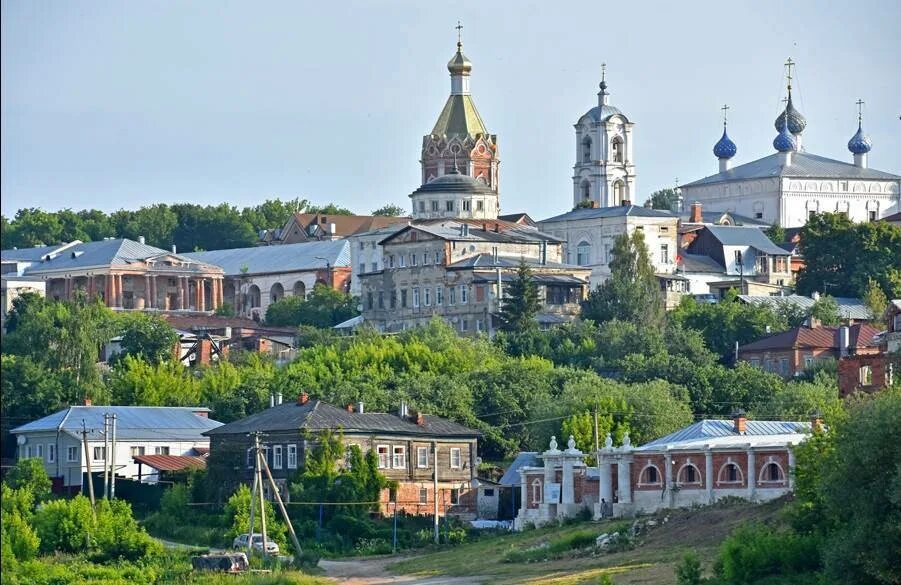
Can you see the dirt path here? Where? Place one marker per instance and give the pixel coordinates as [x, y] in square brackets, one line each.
[373, 572]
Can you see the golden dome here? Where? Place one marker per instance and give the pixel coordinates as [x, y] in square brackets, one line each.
[459, 65]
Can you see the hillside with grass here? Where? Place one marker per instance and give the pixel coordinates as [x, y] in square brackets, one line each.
[567, 554]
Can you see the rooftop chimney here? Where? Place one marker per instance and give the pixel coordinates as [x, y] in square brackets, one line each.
[464, 229]
[332, 229]
[420, 420]
[740, 421]
[278, 398]
[360, 407]
[497, 227]
[402, 411]
[350, 408]
[141, 239]
[303, 398]
[271, 400]
[88, 402]
[626, 203]
[844, 340]
[695, 216]
[174, 251]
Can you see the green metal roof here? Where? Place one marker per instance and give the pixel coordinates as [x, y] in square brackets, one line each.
[459, 118]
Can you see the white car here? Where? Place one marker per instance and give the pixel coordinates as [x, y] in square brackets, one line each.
[240, 543]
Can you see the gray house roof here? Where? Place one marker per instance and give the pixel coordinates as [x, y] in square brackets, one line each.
[117, 252]
[488, 261]
[699, 263]
[477, 231]
[618, 211]
[273, 259]
[715, 431]
[524, 459]
[803, 165]
[746, 236]
[133, 422]
[848, 307]
[316, 416]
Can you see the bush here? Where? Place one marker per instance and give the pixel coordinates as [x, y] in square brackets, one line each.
[118, 535]
[19, 537]
[689, 570]
[65, 525]
[30, 474]
[754, 552]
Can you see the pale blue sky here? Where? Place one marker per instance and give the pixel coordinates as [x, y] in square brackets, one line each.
[123, 104]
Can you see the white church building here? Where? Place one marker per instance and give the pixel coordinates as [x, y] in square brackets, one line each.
[791, 185]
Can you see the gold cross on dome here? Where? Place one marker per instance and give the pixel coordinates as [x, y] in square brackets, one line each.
[459, 28]
[860, 104]
[725, 109]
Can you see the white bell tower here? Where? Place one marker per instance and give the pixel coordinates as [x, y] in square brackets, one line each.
[604, 173]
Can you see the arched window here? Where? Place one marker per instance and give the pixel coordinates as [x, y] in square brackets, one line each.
[536, 491]
[618, 189]
[586, 190]
[649, 475]
[276, 293]
[300, 289]
[730, 473]
[617, 146]
[586, 149]
[688, 475]
[252, 298]
[583, 253]
[771, 472]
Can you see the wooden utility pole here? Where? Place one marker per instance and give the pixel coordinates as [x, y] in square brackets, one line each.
[112, 461]
[105, 454]
[281, 507]
[259, 480]
[87, 462]
[253, 500]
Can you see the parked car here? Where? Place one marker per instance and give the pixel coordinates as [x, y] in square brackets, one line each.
[240, 542]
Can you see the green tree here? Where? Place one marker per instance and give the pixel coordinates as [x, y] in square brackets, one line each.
[137, 383]
[156, 223]
[791, 314]
[217, 227]
[776, 233]
[329, 209]
[665, 199]
[237, 514]
[148, 337]
[30, 474]
[389, 209]
[521, 302]
[875, 299]
[841, 256]
[273, 213]
[825, 310]
[34, 227]
[323, 307]
[631, 292]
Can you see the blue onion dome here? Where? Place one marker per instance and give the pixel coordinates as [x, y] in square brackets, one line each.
[860, 142]
[796, 121]
[725, 148]
[784, 141]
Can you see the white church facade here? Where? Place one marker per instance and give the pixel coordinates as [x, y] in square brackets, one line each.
[789, 186]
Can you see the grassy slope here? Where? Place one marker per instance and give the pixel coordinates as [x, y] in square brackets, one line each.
[652, 562]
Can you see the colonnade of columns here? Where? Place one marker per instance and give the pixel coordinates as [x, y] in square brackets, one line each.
[192, 292]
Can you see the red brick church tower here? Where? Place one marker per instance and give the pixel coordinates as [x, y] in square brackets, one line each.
[460, 138]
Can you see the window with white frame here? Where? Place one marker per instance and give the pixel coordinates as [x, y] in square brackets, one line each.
[467, 205]
[434, 206]
[100, 453]
[439, 295]
[456, 458]
[454, 496]
[649, 475]
[137, 451]
[415, 297]
[536, 491]
[427, 296]
[51, 453]
[374, 266]
[39, 451]
[390, 260]
[161, 450]
[464, 293]
[400, 457]
[277, 457]
[423, 495]
[771, 473]
[422, 457]
[438, 256]
[413, 260]
[26, 452]
[664, 253]
[451, 295]
[292, 456]
[71, 454]
[402, 259]
[480, 205]
[478, 325]
[449, 205]
[464, 325]
[425, 258]
[583, 252]
[866, 376]
[383, 453]
[730, 473]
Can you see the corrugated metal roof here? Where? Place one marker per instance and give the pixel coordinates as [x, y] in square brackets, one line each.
[745, 236]
[718, 217]
[561, 279]
[118, 252]
[133, 422]
[618, 211]
[849, 308]
[284, 258]
[316, 415]
[524, 459]
[170, 462]
[487, 261]
[35, 254]
[452, 230]
[860, 335]
[804, 165]
[713, 431]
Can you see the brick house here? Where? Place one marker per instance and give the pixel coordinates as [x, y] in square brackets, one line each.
[405, 443]
[789, 353]
[875, 369]
[696, 465]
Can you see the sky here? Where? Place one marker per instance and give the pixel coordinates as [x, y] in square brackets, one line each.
[115, 105]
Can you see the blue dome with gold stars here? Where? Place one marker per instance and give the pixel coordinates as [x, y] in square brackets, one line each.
[724, 148]
[860, 142]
